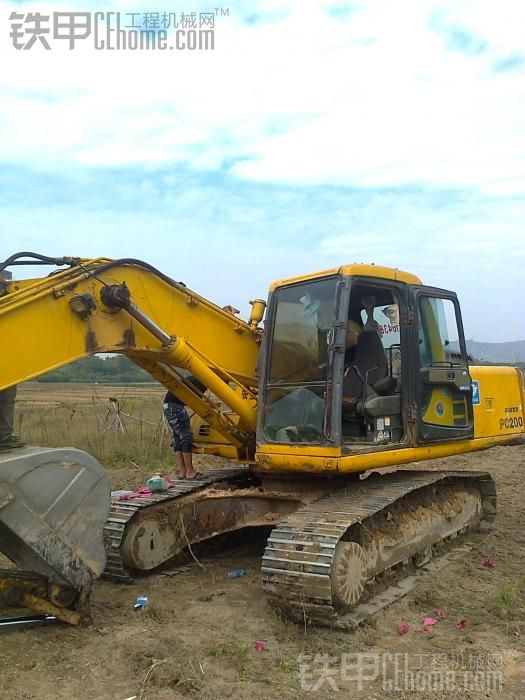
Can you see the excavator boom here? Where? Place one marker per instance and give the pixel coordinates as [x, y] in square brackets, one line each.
[128, 307]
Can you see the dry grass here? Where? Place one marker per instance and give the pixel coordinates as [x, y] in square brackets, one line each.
[82, 416]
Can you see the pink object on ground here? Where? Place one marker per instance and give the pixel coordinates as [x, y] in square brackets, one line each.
[402, 628]
[489, 563]
[142, 492]
[260, 646]
[429, 621]
[462, 624]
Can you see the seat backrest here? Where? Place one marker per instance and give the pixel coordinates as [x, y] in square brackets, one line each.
[369, 357]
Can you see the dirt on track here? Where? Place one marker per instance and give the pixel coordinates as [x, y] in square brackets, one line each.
[197, 637]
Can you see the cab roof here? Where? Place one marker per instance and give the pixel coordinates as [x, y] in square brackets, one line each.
[354, 269]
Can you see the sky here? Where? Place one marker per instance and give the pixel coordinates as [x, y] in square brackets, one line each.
[315, 133]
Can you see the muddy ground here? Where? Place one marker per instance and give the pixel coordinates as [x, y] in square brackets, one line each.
[197, 638]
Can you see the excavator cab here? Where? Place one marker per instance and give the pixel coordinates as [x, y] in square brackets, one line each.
[362, 363]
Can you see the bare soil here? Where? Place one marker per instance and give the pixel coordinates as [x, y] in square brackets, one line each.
[197, 636]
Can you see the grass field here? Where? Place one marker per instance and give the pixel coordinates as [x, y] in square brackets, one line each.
[83, 416]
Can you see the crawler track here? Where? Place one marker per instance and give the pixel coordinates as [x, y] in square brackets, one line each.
[322, 562]
[122, 513]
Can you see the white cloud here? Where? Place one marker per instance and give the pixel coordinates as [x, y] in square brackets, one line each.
[374, 99]
[310, 112]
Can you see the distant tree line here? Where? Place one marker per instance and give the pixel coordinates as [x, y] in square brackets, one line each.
[119, 369]
[104, 370]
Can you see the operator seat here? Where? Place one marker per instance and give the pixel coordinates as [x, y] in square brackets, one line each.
[370, 365]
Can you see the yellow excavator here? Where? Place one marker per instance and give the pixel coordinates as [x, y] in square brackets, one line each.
[356, 369]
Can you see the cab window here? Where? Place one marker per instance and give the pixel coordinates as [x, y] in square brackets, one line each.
[295, 395]
[438, 331]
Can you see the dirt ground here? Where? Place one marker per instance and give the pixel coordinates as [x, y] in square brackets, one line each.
[199, 635]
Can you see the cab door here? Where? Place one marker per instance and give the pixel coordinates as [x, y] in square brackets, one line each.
[442, 384]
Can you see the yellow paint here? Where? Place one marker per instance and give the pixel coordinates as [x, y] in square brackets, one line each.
[310, 450]
[44, 333]
[501, 399]
[303, 459]
[355, 269]
[441, 399]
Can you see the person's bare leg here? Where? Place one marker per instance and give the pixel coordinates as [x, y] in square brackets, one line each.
[188, 464]
[181, 468]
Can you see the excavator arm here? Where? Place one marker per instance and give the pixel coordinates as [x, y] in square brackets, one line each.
[54, 503]
[128, 307]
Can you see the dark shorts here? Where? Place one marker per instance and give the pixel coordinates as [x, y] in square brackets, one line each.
[179, 421]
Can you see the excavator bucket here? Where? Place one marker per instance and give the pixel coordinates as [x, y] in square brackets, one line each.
[53, 507]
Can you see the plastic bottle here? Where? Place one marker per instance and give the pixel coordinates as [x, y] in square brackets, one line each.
[120, 492]
[141, 602]
[236, 573]
[157, 483]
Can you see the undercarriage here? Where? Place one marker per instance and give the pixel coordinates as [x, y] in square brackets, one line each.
[331, 561]
[340, 548]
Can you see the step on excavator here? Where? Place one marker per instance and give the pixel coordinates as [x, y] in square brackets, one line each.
[359, 369]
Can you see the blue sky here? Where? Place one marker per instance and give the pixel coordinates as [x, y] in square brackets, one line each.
[316, 133]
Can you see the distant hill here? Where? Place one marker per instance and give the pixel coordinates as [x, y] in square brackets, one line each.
[510, 352]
